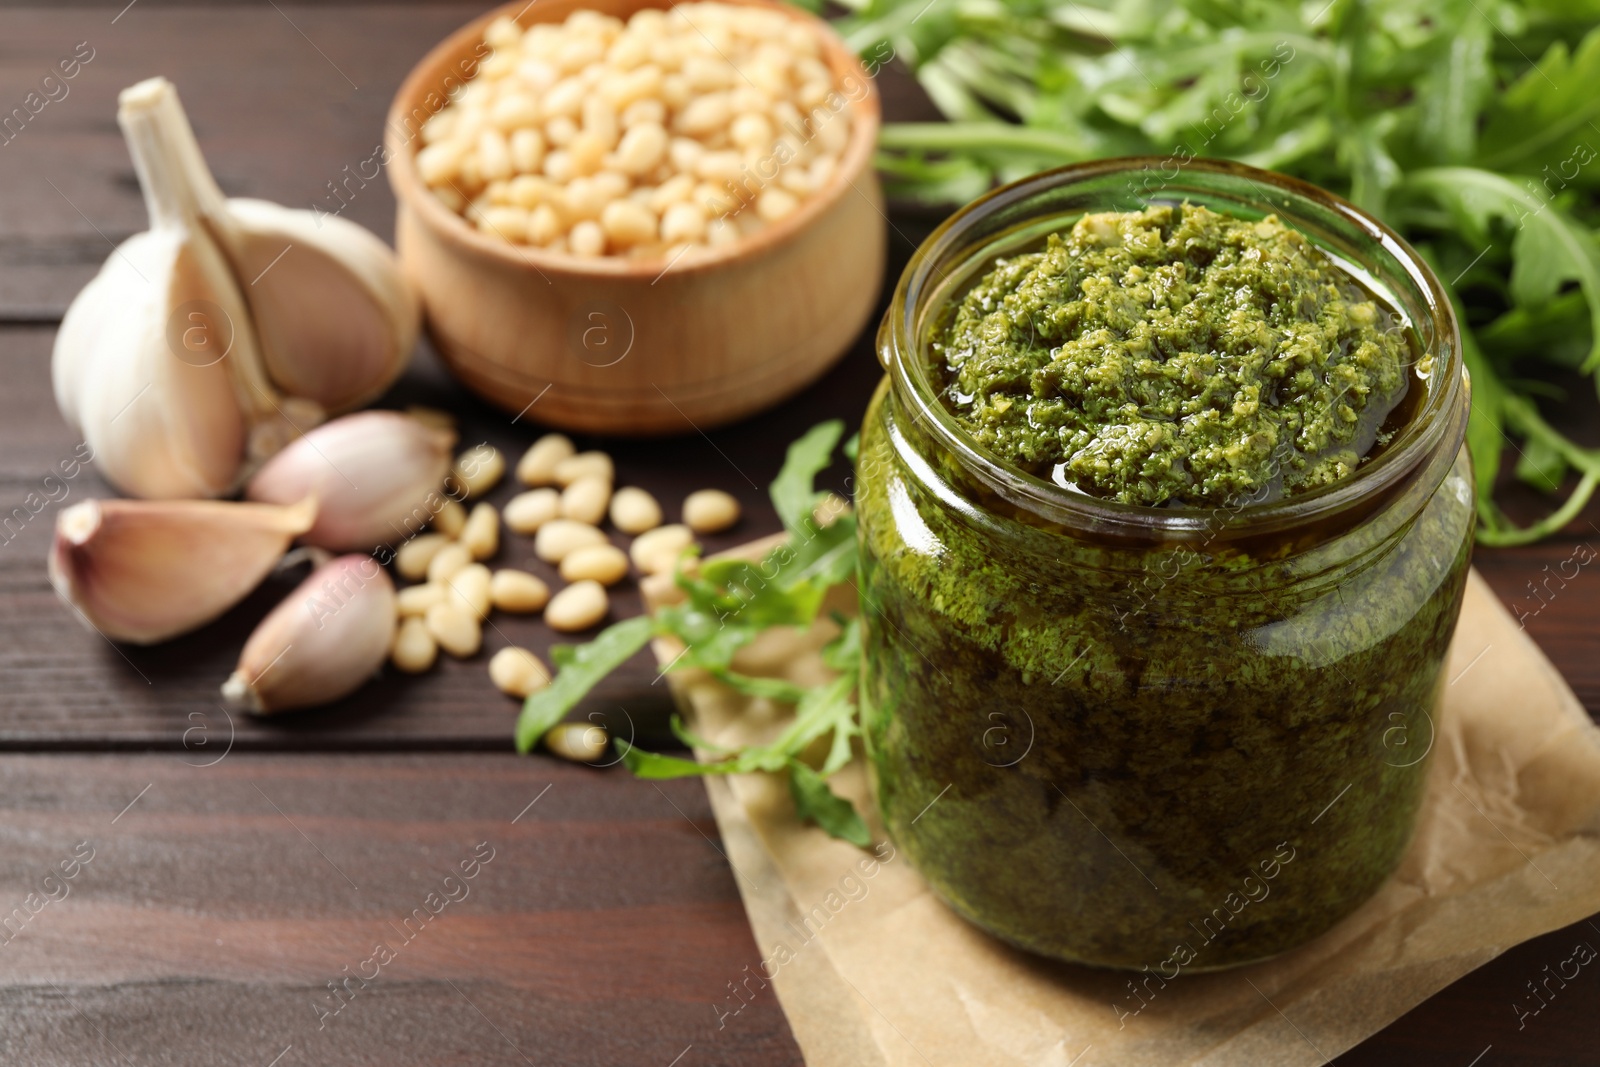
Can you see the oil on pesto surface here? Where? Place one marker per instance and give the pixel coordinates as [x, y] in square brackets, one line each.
[1174, 355]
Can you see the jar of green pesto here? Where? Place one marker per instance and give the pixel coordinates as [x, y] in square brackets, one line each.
[1165, 522]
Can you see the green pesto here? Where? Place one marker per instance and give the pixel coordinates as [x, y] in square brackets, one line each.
[1105, 752]
[1174, 355]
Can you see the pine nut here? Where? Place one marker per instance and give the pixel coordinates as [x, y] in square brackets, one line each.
[481, 534]
[414, 556]
[538, 464]
[577, 607]
[633, 511]
[518, 592]
[447, 561]
[527, 512]
[775, 204]
[527, 151]
[683, 221]
[414, 648]
[586, 499]
[517, 672]
[457, 632]
[606, 564]
[703, 115]
[577, 742]
[470, 586]
[587, 239]
[585, 465]
[642, 148]
[417, 599]
[710, 511]
[628, 223]
[479, 469]
[642, 111]
[657, 551]
[451, 518]
[558, 537]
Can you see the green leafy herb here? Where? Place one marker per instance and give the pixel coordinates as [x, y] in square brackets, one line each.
[793, 491]
[821, 805]
[727, 604]
[1471, 127]
[580, 669]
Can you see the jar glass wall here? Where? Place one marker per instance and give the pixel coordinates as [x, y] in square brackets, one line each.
[1175, 738]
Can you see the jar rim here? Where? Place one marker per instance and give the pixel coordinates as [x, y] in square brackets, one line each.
[901, 352]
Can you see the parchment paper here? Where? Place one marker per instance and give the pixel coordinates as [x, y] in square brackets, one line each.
[872, 970]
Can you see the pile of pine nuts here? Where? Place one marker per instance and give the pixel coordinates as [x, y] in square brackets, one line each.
[568, 495]
[648, 139]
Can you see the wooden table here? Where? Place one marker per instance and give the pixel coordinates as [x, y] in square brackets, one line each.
[240, 867]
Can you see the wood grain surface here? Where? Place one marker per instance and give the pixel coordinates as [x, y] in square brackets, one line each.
[597, 926]
[218, 906]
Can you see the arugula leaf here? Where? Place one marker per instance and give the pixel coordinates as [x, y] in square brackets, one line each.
[821, 710]
[651, 765]
[1542, 465]
[581, 668]
[815, 802]
[1452, 94]
[1544, 117]
[779, 689]
[843, 653]
[1557, 332]
[822, 556]
[793, 491]
[1548, 246]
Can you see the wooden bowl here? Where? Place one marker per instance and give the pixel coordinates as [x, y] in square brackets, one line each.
[640, 347]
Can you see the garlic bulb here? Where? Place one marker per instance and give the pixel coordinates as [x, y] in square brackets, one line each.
[156, 362]
[330, 635]
[335, 318]
[375, 476]
[228, 328]
[143, 571]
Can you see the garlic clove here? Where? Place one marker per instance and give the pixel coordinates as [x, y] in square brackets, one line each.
[372, 473]
[156, 363]
[327, 638]
[337, 320]
[160, 426]
[145, 571]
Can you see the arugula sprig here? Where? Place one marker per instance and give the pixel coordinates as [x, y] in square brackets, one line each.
[1471, 127]
[727, 604]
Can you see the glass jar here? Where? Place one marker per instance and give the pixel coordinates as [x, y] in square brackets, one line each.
[1163, 738]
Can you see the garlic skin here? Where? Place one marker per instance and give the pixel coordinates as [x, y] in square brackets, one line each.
[144, 571]
[322, 643]
[372, 474]
[335, 319]
[156, 363]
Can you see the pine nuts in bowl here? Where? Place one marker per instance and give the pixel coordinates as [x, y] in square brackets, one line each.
[643, 218]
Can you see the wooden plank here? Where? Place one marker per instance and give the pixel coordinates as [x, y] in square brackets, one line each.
[217, 903]
[1475, 1021]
